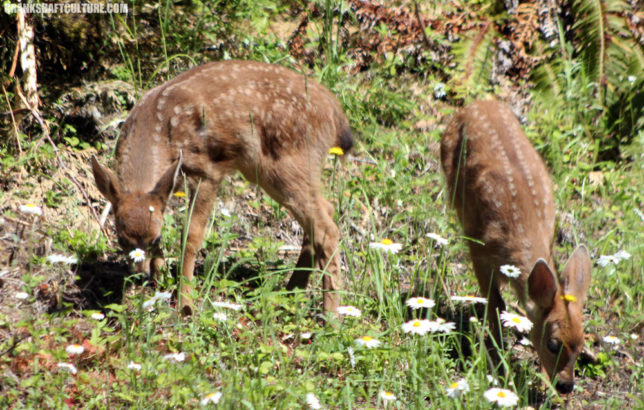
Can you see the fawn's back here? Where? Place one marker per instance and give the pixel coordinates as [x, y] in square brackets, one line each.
[503, 196]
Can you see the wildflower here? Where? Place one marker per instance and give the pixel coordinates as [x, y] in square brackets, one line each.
[221, 316]
[510, 271]
[634, 336]
[349, 311]
[213, 398]
[387, 396]
[613, 259]
[68, 367]
[151, 209]
[352, 358]
[439, 91]
[491, 380]
[502, 397]
[134, 366]
[386, 245]
[441, 326]
[639, 213]
[22, 295]
[569, 298]
[437, 238]
[525, 341]
[336, 151]
[313, 401]
[457, 388]
[417, 326]
[58, 258]
[137, 255]
[305, 335]
[75, 349]
[474, 319]
[521, 323]
[97, 316]
[30, 209]
[149, 304]
[631, 78]
[368, 342]
[227, 305]
[225, 212]
[611, 340]
[468, 299]
[420, 302]
[162, 295]
[175, 357]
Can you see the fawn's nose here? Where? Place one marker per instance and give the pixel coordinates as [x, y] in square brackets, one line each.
[564, 387]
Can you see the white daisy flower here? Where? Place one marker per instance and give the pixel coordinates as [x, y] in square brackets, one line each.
[468, 299]
[614, 259]
[349, 311]
[437, 238]
[58, 258]
[227, 305]
[151, 209]
[622, 255]
[220, 316]
[213, 398]
[305, 335]
[521, 323]
[352, 358]
[443, 326]
[225, 212]
[502, 397]
[68, 367]
[137, 255]
[368, 342]
[30, 209]
[134, 366]
[387, 396]
[634, 336]
[149, 304]
[175, 357]
[417, 326]
[420, 302]
[97, 316]
[162, 295]
[21, 295]
[525, 341]
[611, 340]
[75, 349]
[313, 401]
[457, 388]
[510, 271]
[386, 245]
[491, 380]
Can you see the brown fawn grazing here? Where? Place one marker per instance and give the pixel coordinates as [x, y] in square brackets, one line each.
[502, 193]
[271, 124]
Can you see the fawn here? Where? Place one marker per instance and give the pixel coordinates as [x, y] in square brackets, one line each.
[503, 196]
[273, 125]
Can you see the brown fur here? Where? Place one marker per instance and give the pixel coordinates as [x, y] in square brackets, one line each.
[501, 191]
[273, 125]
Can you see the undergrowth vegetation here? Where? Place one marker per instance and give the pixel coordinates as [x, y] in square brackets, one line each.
[578, 89]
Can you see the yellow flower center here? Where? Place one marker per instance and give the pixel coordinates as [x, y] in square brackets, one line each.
[516, 320]
[388, 394]
[453, 385]
[366, 338]
[179, 194]
[501, 394]
[416, 324]
[419, 301]
[30, 205]
[336, 151]
[387, 242]
[569, 298]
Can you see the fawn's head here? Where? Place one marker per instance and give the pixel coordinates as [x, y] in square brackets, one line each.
[558, 333]
[138, 215]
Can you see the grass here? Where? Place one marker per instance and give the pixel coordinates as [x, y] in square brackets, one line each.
[277, 348]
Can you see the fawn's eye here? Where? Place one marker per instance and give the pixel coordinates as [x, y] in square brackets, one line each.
[554, 346]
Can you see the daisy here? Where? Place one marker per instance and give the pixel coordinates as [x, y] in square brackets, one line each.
[443, 326]
[337, 151]
[175, 357]
[58, 258]
[510, 271]
[30, 209]
[349, 311]
[491, 380]
[137, 255]
[417, 326]
[440, 241]
[521, 323]
[420, 302]
[179, 194]
[305, 335]
[569, 298]
[213, 398]
[634, 336]
[151, 209]
[368, 342]
[22, 295]
[134, 366]
[611, 340]
[97, 316]
[313, 401]
[68, 367]
[227, 305]
[386, 245]
[220, 316]
[75, 349]
[468, 299]
[149, 304]
[613, 259]
[162, 295]
[387, 396]
[502, 397]
[457, 388]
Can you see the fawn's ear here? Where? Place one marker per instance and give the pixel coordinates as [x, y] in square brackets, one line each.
[575, 276]
[542, 284]
[106, 182]
[165, 185]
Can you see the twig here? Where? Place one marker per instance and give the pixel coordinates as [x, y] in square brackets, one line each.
[13, 120]
[422, 25]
